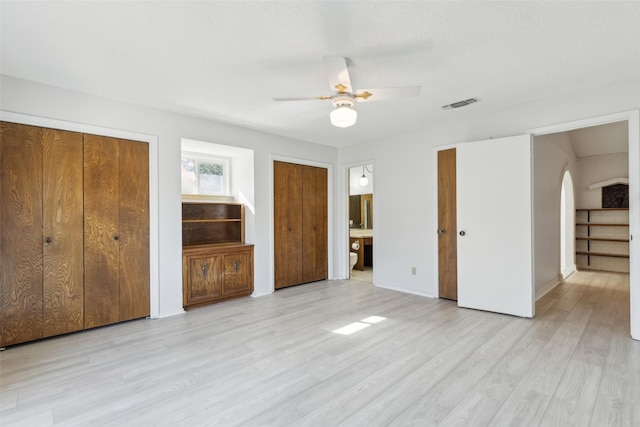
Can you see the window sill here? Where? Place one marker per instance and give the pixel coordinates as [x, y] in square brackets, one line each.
[205, 198]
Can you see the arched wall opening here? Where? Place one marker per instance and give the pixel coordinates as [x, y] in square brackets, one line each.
[567, 226]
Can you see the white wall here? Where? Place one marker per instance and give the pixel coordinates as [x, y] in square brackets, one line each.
[29, 98]
[552, 155]
[596, 169]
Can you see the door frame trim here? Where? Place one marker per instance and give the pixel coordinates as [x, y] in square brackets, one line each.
[152, 140]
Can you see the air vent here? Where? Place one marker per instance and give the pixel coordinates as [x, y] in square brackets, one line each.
[460, 103]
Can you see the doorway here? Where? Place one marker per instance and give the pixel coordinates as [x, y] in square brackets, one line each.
[630, 167]
[361, 222]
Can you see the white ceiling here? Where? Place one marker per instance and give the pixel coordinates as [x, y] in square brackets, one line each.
[610, 138]
[227, 60]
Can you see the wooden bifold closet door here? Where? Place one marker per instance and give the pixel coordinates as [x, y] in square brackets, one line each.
[74, 232]
[300, 224]
[116, 230]
[41, 248]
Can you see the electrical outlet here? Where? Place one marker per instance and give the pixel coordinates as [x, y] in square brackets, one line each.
[413, 271]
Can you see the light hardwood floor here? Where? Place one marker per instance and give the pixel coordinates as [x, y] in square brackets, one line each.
[274, 361]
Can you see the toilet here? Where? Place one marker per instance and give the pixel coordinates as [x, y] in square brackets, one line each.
[353, 259]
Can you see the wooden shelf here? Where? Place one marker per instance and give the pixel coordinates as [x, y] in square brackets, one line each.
[601, 239]
[212, 223]
[599, 224]
[602, 209]
[601, 254]
[608, 241]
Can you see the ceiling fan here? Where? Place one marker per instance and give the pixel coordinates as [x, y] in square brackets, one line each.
[345, 98]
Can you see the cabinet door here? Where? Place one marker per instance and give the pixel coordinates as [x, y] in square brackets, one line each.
[314, 228]
[238, 275]
[203, 279]
[133, 168]
[21, 295]
[287, 209]
[63, 251]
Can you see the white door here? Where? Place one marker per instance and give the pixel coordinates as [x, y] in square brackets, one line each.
[495, 261]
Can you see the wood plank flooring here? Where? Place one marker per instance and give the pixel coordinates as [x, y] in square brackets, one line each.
[274, 361]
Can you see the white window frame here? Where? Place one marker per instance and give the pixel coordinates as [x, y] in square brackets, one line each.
[226, 174]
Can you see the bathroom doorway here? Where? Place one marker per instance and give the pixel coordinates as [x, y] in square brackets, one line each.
[361, 222]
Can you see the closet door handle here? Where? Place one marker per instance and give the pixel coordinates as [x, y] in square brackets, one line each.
[204, 271]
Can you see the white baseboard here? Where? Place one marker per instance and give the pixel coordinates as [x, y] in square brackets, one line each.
[569, 271]
[174, 313]
[406, 291]
[548, 287]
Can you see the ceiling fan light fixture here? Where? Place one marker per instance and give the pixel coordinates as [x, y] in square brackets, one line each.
[343, 116]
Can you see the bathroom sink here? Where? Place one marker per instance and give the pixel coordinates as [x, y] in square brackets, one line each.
[357, 233]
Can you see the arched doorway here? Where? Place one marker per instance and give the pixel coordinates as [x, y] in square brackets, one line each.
[567, 226]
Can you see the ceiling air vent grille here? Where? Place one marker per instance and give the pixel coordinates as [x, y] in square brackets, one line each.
[460, 103]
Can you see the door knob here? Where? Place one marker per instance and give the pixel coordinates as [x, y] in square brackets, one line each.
[462, 233]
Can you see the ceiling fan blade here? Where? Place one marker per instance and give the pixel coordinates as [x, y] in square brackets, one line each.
[368, 95]
[338, 73]
[304, 98]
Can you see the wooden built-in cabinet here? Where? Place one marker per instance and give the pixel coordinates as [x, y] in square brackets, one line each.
[216, 263]
[602, 239]
[300, 224]
[74, 232]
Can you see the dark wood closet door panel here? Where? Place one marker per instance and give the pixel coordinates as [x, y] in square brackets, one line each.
[314, 214]
[101, 214]
[63, 256]
[134, 229]
[21, 241]
[447, 225]
[287, 224]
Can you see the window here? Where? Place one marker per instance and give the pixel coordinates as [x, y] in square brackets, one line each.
[205, 175]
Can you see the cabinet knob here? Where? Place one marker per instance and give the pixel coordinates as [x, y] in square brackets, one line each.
[47, 240]
[462, 233]
[441, 230]
[116, 237]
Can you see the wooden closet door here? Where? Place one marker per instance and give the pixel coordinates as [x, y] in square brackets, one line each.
[63, 253]
[21, 295]
[116, 194]
[101, 231]
[133, 159]
[287, 210]
[314, 229]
